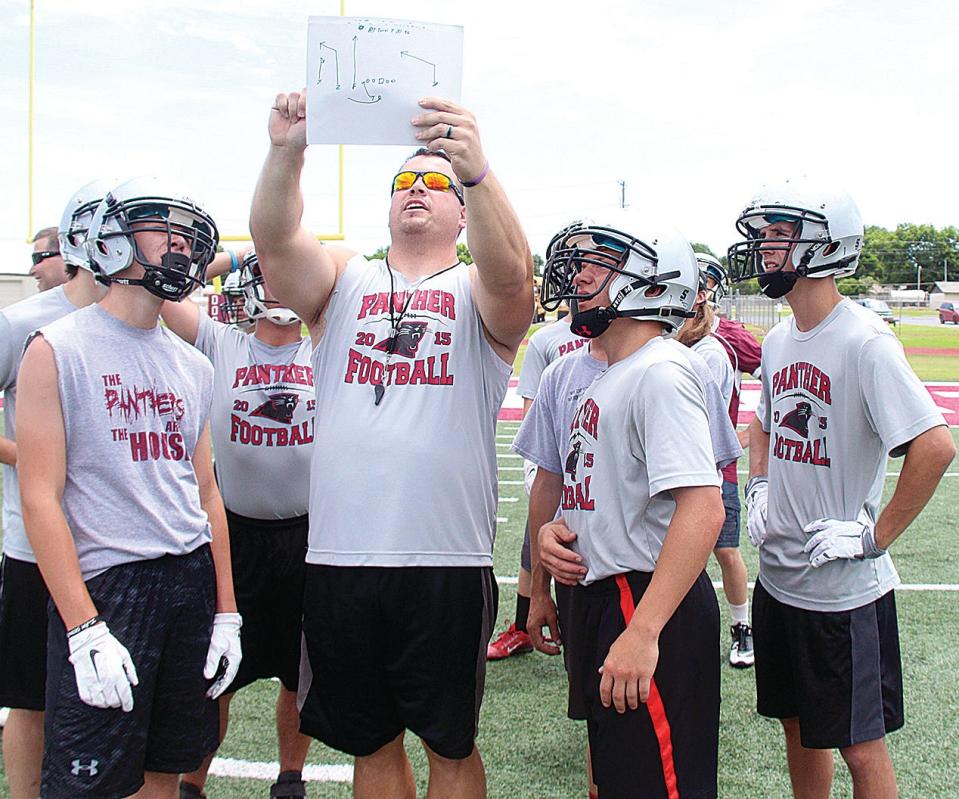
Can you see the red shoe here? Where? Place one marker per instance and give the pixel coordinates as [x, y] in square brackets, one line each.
[509, 642]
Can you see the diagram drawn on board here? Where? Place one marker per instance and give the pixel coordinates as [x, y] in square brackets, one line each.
[366, 75]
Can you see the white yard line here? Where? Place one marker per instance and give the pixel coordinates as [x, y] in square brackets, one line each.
[244, 769]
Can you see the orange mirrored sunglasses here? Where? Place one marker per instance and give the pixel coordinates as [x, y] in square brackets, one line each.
[434, 181]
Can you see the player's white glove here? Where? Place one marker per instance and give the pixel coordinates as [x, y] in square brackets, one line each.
[103, 667]
[757, 503]
[224, 655]
[834, 539]
[529, 474]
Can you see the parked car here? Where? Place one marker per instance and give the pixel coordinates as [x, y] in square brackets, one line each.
[948, 313]
[879, 307]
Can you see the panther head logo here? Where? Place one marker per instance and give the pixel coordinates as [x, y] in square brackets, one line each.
[279, 407]
[798, 419]
[405, 341]
[572, 460]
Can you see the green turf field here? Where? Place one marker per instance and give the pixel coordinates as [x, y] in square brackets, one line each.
[532, 750]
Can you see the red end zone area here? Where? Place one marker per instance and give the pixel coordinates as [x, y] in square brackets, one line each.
[945, 395]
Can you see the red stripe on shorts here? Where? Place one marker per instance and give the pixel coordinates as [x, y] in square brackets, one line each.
[654, 702]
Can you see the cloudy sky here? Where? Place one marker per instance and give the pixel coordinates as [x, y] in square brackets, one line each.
[693, 103]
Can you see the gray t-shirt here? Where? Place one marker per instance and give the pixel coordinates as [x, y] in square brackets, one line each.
[543, 437]
[17, 323]
[411, 481]
[640, 430]
[545, 346]
[711, 351]
[261, 421]
[134, 405]
[835, 401]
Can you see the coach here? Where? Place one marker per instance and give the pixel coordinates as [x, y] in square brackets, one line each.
[411, 358]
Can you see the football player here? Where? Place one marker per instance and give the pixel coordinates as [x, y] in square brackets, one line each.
[838, 397]
[261, 425]
[412, 357]
[641, 510]
[700, 333]
[544, 346]
[23, 596]
[122, 510]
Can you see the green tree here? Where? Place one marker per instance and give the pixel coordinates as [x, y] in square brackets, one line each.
[538, 265]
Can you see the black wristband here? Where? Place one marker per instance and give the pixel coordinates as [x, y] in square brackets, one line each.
[85, 626]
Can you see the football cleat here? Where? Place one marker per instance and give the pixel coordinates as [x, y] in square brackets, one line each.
[510, 642]
[741, 652]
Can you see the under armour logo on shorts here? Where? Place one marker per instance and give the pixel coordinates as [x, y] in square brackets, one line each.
[90, 768]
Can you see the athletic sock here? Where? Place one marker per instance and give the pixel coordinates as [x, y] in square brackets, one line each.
[522, 612]
[740, 613]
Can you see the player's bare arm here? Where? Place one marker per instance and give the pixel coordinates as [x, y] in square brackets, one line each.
[544, 499]
[503, 266]
[42, 468]
[8, 451]
[226, 261]
[758, 446]
[927, 459]
[300, 271]
[212, 503]
[632, 658]
[565, 565]
[183, 318]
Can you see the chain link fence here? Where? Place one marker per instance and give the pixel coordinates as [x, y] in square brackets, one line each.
[752, 309]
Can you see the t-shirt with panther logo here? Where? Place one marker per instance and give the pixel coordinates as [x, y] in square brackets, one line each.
[836, 401]
[408, 389]
[261, 422]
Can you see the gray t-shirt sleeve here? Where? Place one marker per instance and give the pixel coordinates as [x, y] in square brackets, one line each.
[726, 446]
[897, 404]
[9, 354]
[671, 421]
[536, 439]
[532, 371]
[208, 335]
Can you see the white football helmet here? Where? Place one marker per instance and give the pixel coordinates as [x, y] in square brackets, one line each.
[75, 222]
[233, 305]
[256, 304]
[710, 267]
[144, 204]
[657, 276]
[827, 240]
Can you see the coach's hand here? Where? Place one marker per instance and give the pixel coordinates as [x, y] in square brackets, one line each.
[833, 539]
[757, 503]
[450, 127]
[288, 121]
[542, 613]
[628, 670]
[555, 554]
[224, 655]
[103, 667]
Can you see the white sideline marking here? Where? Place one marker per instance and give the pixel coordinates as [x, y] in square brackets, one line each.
[244, 769]
[719, 584]
[510, 499]
[512, 482]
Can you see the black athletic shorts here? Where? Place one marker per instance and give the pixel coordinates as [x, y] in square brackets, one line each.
[269, 566]
[669, 746]
[390, 649]
[162, 611]
[23, 635]
[839, 673]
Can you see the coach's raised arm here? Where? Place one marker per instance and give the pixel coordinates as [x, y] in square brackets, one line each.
[503, 275]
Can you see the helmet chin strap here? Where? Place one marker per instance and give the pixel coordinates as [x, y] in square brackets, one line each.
[594, 322]
[171, 282]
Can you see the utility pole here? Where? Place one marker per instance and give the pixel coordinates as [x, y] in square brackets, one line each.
[622, 194]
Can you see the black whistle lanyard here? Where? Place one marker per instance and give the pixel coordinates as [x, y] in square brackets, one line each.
[379, 389]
